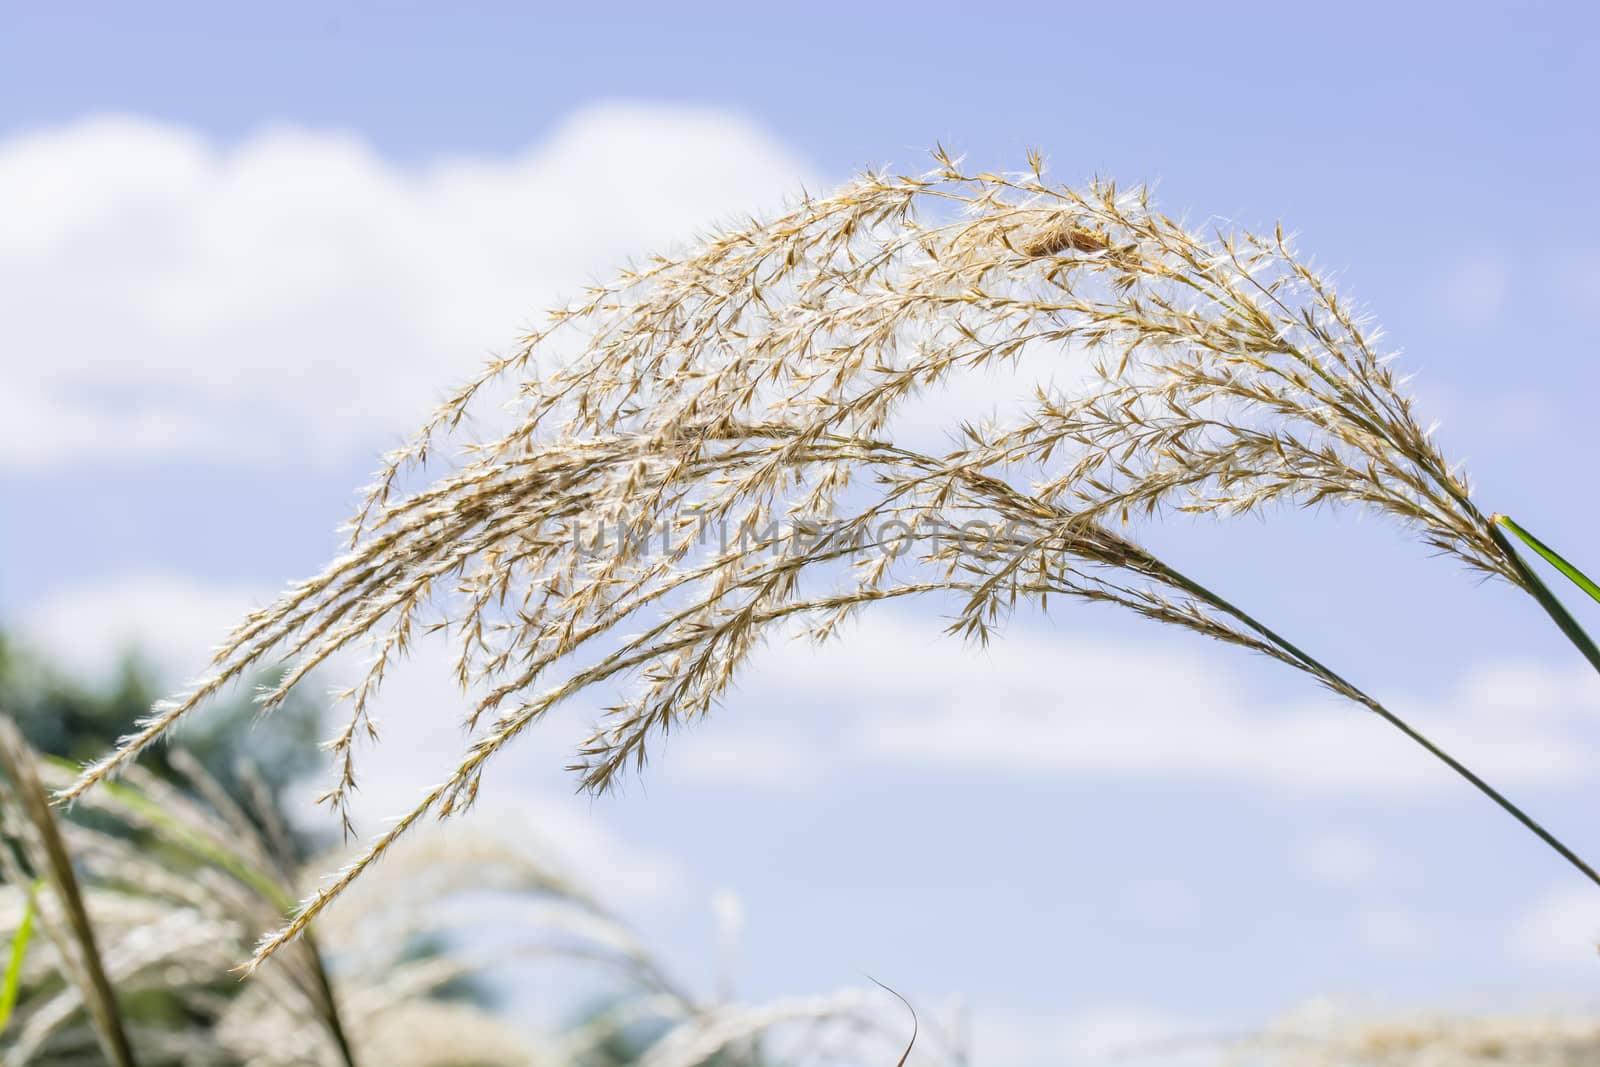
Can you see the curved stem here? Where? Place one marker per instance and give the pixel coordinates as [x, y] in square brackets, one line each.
[1339, 684]
[330, 1004]
[55, 863]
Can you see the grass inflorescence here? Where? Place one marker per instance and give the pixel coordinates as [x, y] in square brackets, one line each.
[753, 383]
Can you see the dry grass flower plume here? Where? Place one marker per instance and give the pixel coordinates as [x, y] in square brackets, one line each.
[750, 388]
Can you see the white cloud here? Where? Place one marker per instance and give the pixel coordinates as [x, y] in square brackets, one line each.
[1560, 928]
[1341, 859]
[585, 846]
[753, 758]
[174, 621]
[170, 620]
[896, 691]
[1355, 862]
[1046, 704]
[1526, 690]
[1395, 931]
[526, 793]
[295, 293]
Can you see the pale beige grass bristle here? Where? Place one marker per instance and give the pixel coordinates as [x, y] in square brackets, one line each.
[750, 386]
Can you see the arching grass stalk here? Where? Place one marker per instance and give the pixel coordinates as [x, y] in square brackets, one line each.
[1340, 685]
[758, 380]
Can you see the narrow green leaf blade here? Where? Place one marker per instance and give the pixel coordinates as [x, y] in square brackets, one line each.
[1552, 557]
[11, 985]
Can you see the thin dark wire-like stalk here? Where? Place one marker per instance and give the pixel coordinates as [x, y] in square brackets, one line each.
[328, 1004]
[1333, 680]
[277, 846]
[1345, 688]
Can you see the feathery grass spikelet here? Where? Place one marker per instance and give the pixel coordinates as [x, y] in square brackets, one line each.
[751, 385]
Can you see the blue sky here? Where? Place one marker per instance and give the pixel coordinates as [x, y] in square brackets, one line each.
[220, 228]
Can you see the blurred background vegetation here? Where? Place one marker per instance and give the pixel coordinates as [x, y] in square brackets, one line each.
[62, 716]
[179, 866]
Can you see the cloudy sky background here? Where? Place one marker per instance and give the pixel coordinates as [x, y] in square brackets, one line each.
[241, 255]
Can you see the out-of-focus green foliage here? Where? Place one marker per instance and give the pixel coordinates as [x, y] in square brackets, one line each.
[62, 716]
[173, 882]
